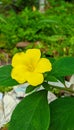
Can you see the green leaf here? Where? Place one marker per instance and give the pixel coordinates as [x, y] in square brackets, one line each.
[5, 76]
[51, 78]
[51, 59]
[30, 88]
[61, 79]
[63, 67]
[55, 38]
[47, 86]
[32, 113]
[62, 114]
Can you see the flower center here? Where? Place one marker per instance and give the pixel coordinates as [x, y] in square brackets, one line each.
[30, 68]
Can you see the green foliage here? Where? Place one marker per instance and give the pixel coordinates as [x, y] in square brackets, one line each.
[62, 114]
[30, 88]
[51, 78]
[63, 67]
[54, 28]
[32, 113]
[5, 89]
[5, 77]
[60, 68]
[17, 5]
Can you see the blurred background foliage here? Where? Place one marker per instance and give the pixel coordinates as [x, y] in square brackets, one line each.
[23, 26]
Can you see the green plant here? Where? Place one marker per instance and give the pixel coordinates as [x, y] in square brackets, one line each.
[54, 28]
[34, 112]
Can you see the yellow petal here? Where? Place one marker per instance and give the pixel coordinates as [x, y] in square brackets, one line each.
[18, 59]
[32, 56]
[19, 74]
[44, 65]
[35, 79]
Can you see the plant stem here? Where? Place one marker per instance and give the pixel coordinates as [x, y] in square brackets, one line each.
[48, 87]
[66, 89]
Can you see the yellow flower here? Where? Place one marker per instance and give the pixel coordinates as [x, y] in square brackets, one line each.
[34, 8]
[30, 67]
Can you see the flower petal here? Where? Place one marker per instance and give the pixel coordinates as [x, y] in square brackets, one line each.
[18, 59]
[44, 65]
[33, 56]
[19, 74]
[34, 79]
